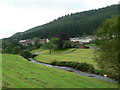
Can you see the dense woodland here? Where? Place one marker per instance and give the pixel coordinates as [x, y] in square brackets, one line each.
[76, 24]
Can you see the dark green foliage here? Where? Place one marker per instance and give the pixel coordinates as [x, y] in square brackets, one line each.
[55, 63]
[16, 50]
[76, 24]
[62, 38]
[62, 63]
[67, 44]
[97, 42]
[45, 46]
[8, 50]
[68, 64]
[99, 72]
[13, 43]
[85, 67]
[107, 54]
[9, 42]
[53, 44]
[6, 43]
[25, 54]
[30, 47]
[37, 45]
[74, 65]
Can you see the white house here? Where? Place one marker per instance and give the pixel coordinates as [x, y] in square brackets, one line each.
[26, 42]
[83, 39]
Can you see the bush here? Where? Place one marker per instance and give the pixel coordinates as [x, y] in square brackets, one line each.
[80, 66]
[85, 67]
[25, 54]
[68, 64]
[99, 72]
[16, 50]
[62, 63]
[75, 64]
[54, 62]
[8, 50]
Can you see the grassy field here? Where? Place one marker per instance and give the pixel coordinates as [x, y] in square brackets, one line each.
[80, 55]
[20, 73]
[53, 52]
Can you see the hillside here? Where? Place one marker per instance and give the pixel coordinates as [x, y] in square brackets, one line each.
[20, 73]
[86, 22]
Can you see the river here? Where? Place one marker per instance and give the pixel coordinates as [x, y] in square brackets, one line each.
[75, 71]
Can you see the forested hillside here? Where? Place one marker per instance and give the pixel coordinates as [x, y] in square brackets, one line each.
[79, 23]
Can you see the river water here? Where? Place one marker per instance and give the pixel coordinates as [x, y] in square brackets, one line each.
[75, 71]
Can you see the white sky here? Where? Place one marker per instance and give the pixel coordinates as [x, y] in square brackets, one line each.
[21, 15]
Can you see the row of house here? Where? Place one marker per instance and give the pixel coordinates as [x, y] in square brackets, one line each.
[83, 39]
[32, 42]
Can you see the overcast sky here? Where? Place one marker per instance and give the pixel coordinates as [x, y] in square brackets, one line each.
[21, 15]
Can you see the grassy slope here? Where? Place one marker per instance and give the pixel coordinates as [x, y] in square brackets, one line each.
[80, 55]
[20, 73]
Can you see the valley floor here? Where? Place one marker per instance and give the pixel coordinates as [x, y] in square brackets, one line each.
[20, 73]
[79, 55]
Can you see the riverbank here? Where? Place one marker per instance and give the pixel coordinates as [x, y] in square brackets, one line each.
[75, 71]
[78, 56]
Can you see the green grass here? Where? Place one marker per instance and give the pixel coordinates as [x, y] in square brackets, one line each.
[20, 73]
[54, 51]
[37, 50]
[80, 55]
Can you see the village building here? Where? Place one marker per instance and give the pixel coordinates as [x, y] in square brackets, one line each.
[23, 42]
[84, 41]
[32, 42]
[43, 41]
[26, 42]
